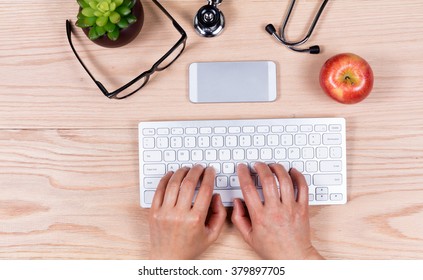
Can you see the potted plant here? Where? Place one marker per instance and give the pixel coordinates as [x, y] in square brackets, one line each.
[110, 23]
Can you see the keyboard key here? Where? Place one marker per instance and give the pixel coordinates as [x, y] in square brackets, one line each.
[277, 128]
[234, 181]
[151, 183]
[330, 166]
[216, 167]
[189, 142]
[252, 154]
[265, 154]
[176, 142]
[220, 130]
[322, 190]
[211, 155]
[335, 127]
[320, 128]
[258, 140]
[221, 181]
[197, 155]
[217, 141]
[191, 130]
[224, 154]
[300, 139]
[299, 165]
[308, 153]
[321, 197]
[238, 154]
[231, 141]
[322, 152]
[245, 141]
[314, 139]
[248, 129]
[286, 140]
[152, 156]
[263, 129]
[332, 139]
[170, 155]
[148, 131]
[205, 130]
[203, 142]
[183, 155]
[327, 179]
[311, 166]
[148, 197]
[234, 129]
[154, 169]
[172, 167]
[336, 196]
[177, 131]
[163, 131]
[148, 143]
[306, 128]
[273, 140]
[162, 142]
[335, 152]
[280, 153]
[291, 128]
[228, 168]
[294, 153]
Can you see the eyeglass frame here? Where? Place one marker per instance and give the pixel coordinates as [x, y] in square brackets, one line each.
[145, 74]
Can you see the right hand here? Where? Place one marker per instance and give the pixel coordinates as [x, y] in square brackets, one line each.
[278, 228]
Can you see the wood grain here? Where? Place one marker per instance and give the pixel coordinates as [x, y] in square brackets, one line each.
[69, 156]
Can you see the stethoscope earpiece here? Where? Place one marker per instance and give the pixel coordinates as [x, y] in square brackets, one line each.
[209, 20]
[294, 45]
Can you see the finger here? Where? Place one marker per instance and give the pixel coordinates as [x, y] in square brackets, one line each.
[268, 183]
[248, 188]
[204, 196]
[188, 185]
[301, 183]
[241, 220]
[160, 191]
[172, 190]
[217, 218]
[285, 184]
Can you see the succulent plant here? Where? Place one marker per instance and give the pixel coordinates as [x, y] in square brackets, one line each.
[105, 17]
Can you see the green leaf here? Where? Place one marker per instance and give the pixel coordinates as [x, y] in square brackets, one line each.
[114, 17]
[98, 14]
[131, 3]
[112, 6]
[113, 35]
[123, 23]
[93, 4]
[85, 22]
[82, 3]
[123, 10]
[131, 19]
[80, 16]
[100, 31]
[101, 21]
[93, 34]
[88, 12]
[118, 2]
[109, 26]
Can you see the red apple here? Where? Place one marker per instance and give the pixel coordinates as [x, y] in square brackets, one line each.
[347, 78]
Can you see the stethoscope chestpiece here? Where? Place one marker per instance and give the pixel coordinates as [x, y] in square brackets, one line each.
[209, 20]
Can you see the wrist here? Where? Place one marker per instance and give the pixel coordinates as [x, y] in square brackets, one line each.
[313, 254]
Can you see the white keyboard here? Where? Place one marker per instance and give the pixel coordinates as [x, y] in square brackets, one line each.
[314, 146]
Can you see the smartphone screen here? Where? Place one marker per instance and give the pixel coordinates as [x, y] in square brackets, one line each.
[217, 82]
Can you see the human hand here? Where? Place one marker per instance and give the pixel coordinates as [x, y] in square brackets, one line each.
[278, 228]
[178, 229]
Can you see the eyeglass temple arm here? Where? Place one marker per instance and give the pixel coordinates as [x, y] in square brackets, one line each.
[68, 32]
[175, 24]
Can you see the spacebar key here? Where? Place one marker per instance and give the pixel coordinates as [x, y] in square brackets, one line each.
[228, 196]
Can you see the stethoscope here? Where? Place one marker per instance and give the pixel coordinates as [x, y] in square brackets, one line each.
[294, 45]
[209, 22]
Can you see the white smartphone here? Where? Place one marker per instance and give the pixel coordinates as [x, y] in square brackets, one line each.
[246, 81]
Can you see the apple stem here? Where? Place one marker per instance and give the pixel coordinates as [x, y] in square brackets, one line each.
[349, 79]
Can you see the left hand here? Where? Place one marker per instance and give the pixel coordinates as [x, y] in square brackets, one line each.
[178, 229]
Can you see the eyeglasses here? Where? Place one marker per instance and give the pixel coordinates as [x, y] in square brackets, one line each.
[142, 79]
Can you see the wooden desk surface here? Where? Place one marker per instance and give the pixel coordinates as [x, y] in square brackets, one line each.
[69, 156]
